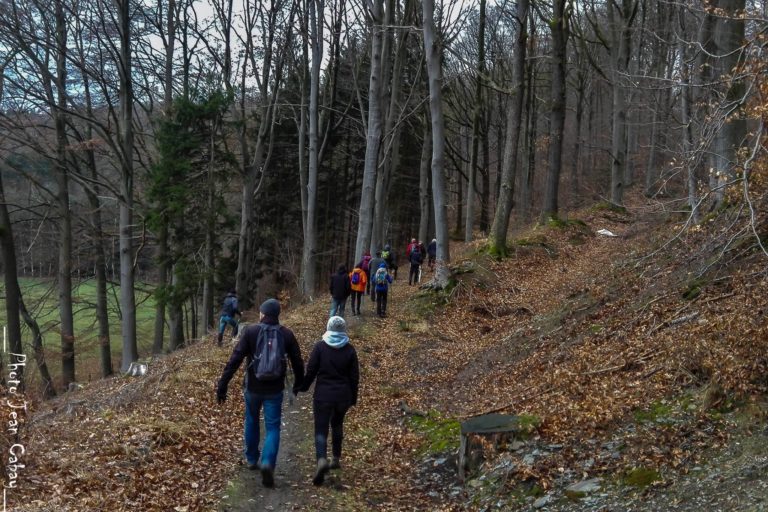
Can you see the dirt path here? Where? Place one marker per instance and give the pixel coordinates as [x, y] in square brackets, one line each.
[292, 474]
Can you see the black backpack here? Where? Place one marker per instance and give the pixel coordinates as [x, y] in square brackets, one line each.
[268, 361]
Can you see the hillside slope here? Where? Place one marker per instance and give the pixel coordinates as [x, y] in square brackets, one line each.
[631, 365]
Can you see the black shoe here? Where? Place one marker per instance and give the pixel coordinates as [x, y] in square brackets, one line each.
[335, 463]
[320, 472]
[267, 476]
[253, 466]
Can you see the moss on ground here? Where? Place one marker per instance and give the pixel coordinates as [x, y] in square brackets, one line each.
[439, 434]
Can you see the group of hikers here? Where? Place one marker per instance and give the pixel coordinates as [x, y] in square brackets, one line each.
[373, 275]
[268, 347]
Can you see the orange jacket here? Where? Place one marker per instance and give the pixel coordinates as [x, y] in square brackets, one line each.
[359, 287]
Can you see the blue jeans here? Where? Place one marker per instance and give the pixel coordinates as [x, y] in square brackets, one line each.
[337, 307]
[273, 408]
[227, 320]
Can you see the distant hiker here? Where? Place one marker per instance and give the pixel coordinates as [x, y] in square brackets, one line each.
[340, 289]
[229, 310]
[382, 280]
[373, 267]
[333, 362]
[422, 249]
[264, 346]
[365, 265]
[416, 259]
[390, 259]
[410, 247]
[358, 281]
[432, 253]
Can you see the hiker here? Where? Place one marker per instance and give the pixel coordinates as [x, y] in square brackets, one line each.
[373, 267]
[365, 265]
[422, 250]
[264, 346]
[416, 259]
[410, 247]
[229, 310]
[390, 259]
[333, 362]
[340, 290]
[432, 253]
[358, 282]
[382, 280]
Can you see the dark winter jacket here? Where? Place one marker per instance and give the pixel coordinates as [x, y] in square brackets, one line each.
[337, 372]
[416, 258]
[340, 287]
[230, 306]
[432, 249]
[246, 348]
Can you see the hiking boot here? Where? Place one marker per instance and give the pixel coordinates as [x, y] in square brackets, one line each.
[267, 476]
[335, 463]
[320, 472]
[253, 466]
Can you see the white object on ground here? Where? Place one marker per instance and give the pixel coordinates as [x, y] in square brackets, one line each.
[605, 232]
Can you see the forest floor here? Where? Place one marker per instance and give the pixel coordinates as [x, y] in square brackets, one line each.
[635, 363]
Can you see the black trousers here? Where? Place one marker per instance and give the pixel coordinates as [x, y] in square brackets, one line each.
[329, 414]
[413, 275]
[381, 303]
[357, 299]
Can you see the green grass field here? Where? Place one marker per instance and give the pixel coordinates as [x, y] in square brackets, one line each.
[41, 299]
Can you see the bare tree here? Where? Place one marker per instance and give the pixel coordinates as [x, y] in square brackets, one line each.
[558, 25]
[375, 12]
[498, 235]
[308, 264]
[434, 74]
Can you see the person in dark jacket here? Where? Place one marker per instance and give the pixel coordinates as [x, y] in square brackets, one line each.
[432, 253]
[333, 362]
[373, 266]
[340, 289]
[229, 311]
[415, 258]
[262, 393]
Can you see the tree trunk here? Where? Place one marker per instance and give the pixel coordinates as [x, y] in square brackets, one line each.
[685, 118]
[424, 166]
[10, 276]
[434, 74]
[127, 292]
[498, 237]
[209, 268]
[373, 137]
[531, 122]
[476, 125]
[66, 316]
[97, 233]
[620, 49]
[163, 257]
[308, 263]
[559, 29]
[48, 389]
[727, 38]
[176, 313]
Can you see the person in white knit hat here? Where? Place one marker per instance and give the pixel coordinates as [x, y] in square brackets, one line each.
[333, 362]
